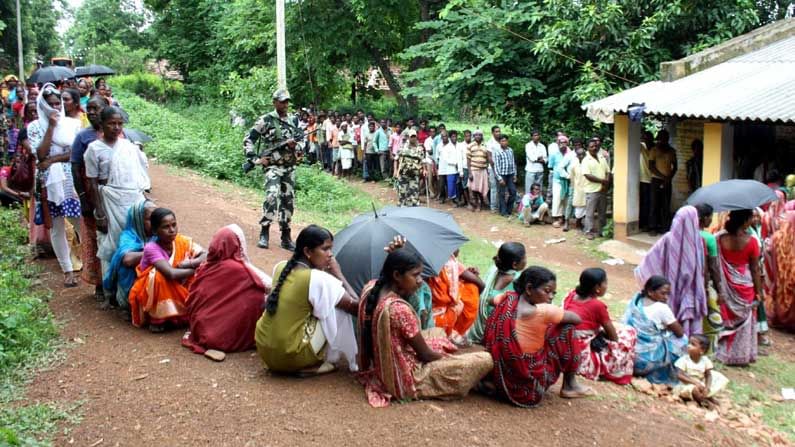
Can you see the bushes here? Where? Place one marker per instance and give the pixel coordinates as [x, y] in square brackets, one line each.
[27, 333]
[149, 86]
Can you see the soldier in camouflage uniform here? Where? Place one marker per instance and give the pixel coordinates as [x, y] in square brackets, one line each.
[276, 129]
[409, 170]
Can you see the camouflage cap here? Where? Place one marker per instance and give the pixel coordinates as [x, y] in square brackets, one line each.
[281, 95]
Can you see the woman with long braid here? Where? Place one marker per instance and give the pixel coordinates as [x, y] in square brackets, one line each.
[400, 361]
[307, 323]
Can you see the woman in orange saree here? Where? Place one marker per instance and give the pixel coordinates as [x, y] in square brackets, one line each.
[781, 305]
[160, 292]
[456, 297]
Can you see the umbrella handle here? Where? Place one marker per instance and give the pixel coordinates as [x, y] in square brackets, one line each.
[374, 211]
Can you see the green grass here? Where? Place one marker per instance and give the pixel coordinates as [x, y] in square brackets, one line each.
[28, 337]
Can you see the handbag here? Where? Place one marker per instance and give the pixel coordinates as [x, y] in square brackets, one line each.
[22, 174]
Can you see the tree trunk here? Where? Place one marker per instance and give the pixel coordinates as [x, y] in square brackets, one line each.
[391, 80]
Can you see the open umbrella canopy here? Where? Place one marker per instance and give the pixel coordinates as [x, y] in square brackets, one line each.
[94, 70]
[733, 195]
[136, 136]
[53, 73]
[359, 248]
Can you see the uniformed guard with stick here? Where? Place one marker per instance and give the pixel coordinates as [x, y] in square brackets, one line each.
[280, 135]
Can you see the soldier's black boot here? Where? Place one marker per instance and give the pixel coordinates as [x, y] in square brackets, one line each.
[264, 233]
[287, 241]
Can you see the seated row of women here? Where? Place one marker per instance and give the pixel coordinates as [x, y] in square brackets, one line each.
[307, 326]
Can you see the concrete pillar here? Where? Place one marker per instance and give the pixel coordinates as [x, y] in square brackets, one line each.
[718, 152]
[626, 176]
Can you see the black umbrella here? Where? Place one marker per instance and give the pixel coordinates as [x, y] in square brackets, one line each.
[94, 70]
[53, 73]
[359, 248]
[136, 136]
[733, 195]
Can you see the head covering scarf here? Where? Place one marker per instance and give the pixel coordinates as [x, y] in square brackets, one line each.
[119, 279]
[679, 256]
[226, 296]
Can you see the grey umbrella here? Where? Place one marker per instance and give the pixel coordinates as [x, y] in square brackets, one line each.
[94, 70]
[359, 248]
[733, 195]
[136, 136]
[53, 73]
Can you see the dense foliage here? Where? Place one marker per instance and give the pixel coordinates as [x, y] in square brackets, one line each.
[110, 29]
[534, 63]
[27, 332]
[39, 39]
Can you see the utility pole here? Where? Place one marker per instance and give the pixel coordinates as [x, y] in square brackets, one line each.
[19, 44]
[281, 60]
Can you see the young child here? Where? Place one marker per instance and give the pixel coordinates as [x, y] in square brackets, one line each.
[699, 381]
[534, 208]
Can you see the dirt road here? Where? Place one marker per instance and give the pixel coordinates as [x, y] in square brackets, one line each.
[138, 388]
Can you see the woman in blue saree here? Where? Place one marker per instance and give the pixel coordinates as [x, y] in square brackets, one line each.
[661, 338]
[121, 274]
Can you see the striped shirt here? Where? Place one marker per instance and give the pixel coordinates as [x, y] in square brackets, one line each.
[477, 156]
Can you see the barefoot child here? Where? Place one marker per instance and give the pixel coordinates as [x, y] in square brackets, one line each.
[699, 381]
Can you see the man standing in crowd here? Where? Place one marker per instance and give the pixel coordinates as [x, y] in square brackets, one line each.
[505, 169]
[381, 145]
[478, 167]
[663, 167]
[280, 135]
[694, 165]
[645, 180]
[552, 149]
[491, 146]
[559, 163]
[370, 154]
[536, 154]
[409, 170]
[597, 175]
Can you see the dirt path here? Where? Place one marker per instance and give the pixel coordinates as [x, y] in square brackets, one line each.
[138, 388]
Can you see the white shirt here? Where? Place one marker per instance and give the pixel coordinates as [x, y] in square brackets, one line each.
[448, 159]
[492, 145]
[533, 151]
[461, 147]
[428, 145]
[659, 313]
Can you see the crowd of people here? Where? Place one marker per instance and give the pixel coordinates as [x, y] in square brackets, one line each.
[565, 183]
[407, 336]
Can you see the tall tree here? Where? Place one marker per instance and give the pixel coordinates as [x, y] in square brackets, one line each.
[537, 61]
[39, 38]
[99, 22]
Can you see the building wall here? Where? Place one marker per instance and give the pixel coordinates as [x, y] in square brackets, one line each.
[682, 136]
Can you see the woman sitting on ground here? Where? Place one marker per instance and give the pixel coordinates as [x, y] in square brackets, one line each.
[120, 275]
[739, 256]
[511, 259]
[532, 342]
[226, 297]
[456, 293]
[661, 338]
[165, 273]
[398, 359]
[608, 351]
[305, 328]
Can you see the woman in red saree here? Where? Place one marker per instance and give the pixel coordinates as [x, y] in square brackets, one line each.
[739, 256]
[226, 297]
[532, 342]
[398, 361]
[167, 268]
[456, 297]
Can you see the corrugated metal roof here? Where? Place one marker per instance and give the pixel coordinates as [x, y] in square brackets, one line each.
[758, 86]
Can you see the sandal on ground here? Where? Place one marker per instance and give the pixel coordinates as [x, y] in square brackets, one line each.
[215, 355]
[69, 282]
[588, 391]
[324, 368]
[764, 340]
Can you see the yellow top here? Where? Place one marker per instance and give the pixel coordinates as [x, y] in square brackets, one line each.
[596, 167]
[663, 161]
